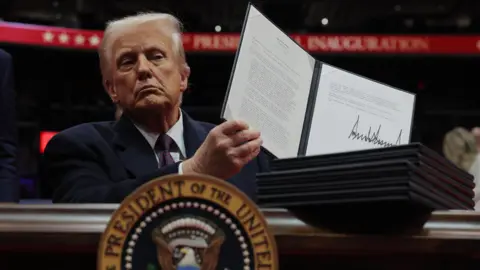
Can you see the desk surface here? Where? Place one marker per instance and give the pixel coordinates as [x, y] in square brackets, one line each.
[78, 227]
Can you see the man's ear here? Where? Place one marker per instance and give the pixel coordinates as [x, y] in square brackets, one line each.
[111, 91]
[184, 75]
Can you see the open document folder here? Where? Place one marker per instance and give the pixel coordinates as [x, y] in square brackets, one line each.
[305, 107]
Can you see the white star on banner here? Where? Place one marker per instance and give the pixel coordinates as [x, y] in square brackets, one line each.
[64, 38]
[94, 40]
[79, 39]
[48, 36]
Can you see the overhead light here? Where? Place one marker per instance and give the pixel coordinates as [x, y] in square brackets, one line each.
[324, 21]
[218, 28]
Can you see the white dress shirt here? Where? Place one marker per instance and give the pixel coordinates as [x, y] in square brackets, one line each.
[176, 133]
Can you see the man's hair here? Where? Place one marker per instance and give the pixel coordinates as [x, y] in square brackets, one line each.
[116, 27]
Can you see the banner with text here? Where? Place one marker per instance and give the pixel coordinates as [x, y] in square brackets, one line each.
[16, 33]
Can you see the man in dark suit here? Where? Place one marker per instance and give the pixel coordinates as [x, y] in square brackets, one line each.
[9, 186]
[145, 73]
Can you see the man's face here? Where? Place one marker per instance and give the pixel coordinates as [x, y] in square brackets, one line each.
[146, 74]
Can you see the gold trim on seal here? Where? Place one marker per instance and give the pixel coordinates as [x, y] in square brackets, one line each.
[168, 188]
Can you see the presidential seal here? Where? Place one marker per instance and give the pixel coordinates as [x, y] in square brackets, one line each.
[187, 222]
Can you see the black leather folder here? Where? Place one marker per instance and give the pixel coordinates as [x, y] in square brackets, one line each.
[374, 197]
[345, 177]
[415, 153]
[409, 173]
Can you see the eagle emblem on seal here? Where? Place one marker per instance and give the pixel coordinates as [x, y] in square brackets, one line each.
[188, 243]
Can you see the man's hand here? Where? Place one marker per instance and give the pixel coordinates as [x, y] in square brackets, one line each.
[227, 148]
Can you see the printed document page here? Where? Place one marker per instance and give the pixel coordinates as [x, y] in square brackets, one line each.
[354, 113]
[270, 85]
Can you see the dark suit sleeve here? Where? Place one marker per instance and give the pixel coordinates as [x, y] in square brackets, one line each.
[9, 185]
[263, 162]
[78, 176]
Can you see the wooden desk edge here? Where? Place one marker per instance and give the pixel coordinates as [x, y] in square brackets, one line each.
[77, 225]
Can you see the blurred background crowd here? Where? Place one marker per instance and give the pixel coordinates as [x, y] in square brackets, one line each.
[428, 47]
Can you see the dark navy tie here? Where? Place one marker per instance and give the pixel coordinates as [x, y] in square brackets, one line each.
[163, 146]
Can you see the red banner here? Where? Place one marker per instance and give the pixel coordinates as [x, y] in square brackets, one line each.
[45, 137]
[49, 36]
[217, 42]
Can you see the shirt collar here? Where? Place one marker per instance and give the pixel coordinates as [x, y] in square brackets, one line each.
[175, 132]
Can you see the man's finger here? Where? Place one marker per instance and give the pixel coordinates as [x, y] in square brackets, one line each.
[249, 157]
[247, 148]
[232, 126]
[244, 136]
[252, 155]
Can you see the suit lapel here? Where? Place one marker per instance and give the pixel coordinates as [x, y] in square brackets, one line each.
[193, 133]
[133, 149]
[137, 155]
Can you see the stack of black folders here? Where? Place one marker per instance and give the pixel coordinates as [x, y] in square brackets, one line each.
[390, 190]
